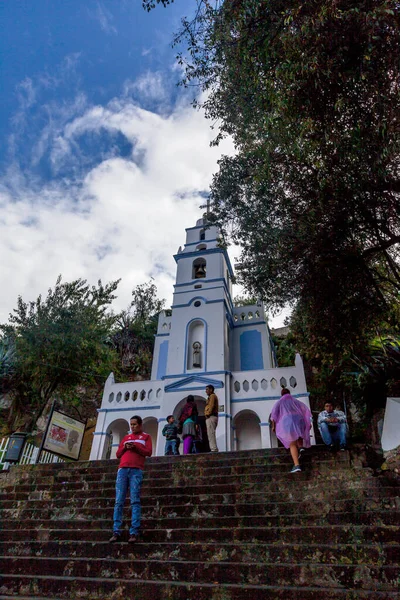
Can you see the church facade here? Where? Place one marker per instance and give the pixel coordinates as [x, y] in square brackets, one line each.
[204, 339]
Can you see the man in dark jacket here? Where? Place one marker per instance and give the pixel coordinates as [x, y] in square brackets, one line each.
[132, 452]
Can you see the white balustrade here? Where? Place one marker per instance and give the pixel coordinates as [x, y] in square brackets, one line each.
[263, 383]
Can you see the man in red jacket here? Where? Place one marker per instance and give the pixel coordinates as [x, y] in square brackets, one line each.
[132, 452]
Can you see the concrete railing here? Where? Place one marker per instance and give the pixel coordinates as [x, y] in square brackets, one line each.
[133, 393]
[267, 382]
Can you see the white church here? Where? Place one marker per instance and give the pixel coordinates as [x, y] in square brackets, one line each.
[204, 339]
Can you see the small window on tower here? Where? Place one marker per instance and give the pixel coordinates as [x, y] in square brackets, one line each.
[202, 234]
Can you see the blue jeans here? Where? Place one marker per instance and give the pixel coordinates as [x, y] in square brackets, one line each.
[337, 436]
[132, 479]
[171, 446]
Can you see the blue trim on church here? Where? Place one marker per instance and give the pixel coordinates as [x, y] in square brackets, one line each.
[202, 381]
[251, 357]
[162, 360]
[204, 252]
[180, 375]
[201, 242]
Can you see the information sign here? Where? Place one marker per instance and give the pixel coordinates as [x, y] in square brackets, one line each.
[64, 435]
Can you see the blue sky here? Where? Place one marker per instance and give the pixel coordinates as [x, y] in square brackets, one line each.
[55, 54]
[103, 161]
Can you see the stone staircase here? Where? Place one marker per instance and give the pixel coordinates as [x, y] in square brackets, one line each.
[224, 526]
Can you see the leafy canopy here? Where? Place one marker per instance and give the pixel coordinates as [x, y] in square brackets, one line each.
[309, 91]
[134, 331]
[60, 342]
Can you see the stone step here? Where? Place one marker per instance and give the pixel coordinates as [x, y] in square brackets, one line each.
[230, 465]
[178, 496]
[311, 533]
[161, 478]
[360, 553]
[88, 510]
[264, 573]
[223, 475]
[72, 520]
[243, 456]
[229, 482]
[123, 589]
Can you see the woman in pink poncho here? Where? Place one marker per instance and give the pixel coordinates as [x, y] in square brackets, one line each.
[291, 420]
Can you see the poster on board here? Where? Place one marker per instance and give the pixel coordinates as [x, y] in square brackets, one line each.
[64, 435]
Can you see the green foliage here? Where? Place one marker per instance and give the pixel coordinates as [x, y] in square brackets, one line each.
[145, 304]
[150, 4]
[244, 300]
[365, 371]
[309, 91]
[134, 331]
[7, 363]
[60, 343]
[285, 348]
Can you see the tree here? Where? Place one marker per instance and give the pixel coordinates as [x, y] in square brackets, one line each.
[244, 300]
[150, 4]
[60, 343]
[309, 91]
[7, 364]
[134, 331]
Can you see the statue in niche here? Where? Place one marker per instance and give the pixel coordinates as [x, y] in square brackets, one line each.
[197, 355]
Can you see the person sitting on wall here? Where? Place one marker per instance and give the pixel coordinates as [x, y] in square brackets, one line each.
[332, 425]
[170, 431]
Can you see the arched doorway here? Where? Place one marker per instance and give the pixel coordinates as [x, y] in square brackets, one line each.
[150, 426]
[200, 403]
[117, 430]
[247, 430]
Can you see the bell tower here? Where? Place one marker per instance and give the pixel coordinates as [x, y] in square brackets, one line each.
[199, 326]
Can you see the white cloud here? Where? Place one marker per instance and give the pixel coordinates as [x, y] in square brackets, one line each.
[105, 19]
[123, 218]
[149, 86]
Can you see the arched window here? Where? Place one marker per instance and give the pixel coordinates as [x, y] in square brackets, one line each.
[199, 268]
[202, 234]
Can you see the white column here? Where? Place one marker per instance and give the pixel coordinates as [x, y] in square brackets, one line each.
[160, 446]
[100, 439]
[235, 442]
[265, 435]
